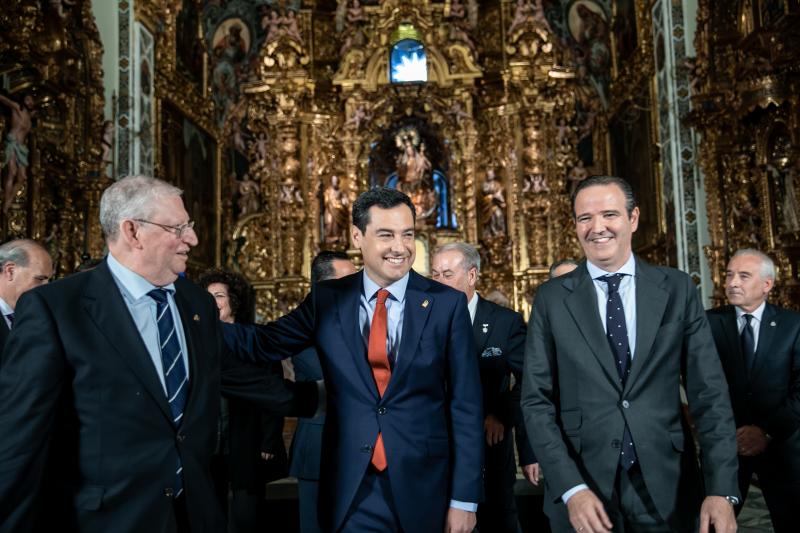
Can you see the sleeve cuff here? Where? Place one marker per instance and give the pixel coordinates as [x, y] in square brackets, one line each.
[571, 492]
[464, 506]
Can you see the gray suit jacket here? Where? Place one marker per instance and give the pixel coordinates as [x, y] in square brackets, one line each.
[575, 407]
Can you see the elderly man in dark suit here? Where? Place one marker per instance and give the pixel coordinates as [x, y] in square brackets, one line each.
[24, 264]
[403, 433]
[759, 345]
[608, 345]
[306, 451]
[500, 346]
[115, 373]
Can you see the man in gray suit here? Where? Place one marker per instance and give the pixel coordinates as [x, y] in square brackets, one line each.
[306, 451]
[608, 347]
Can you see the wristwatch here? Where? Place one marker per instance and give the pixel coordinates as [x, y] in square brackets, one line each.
[733, 500]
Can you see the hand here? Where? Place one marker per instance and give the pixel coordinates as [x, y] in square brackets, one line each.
[459, 521]
[718, 512]
[751, 440]
[267, 456]
[586, 513]
[494, 430]
[532, 473]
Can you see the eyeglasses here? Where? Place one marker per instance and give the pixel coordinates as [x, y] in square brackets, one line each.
[176, 230]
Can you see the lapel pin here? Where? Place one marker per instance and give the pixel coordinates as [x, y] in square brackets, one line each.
[486, 328]
[196, 318]
[773, 324]
[425, 303]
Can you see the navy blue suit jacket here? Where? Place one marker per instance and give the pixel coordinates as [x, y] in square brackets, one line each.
[306, 447]
[430, 415]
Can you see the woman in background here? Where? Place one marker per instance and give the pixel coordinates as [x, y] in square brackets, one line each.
[250, 451]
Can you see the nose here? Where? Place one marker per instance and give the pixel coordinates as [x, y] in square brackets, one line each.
[597, 225]
[189, 237]
[397, 245]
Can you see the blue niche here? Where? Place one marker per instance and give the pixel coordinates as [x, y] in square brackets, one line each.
[408, 62]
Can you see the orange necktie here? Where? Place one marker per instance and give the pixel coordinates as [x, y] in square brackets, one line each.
[379, 361]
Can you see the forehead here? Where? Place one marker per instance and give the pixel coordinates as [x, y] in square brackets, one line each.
[398, 217]
[447, 259]
[600, 196]
[749, 263]
[170, 208]
[217, 286]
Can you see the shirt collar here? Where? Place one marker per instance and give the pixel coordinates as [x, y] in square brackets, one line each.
[757, 314]
[135, 285]
[472, 306]
[396, 289]
[628, 268]
[5, 309]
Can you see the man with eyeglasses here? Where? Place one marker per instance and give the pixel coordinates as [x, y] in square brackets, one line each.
[110, 384]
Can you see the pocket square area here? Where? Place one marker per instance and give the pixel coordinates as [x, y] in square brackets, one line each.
[492, 352]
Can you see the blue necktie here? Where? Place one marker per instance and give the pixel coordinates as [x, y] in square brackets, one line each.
[617, 335]
[174, 370]
[748, 343]
[10, 317]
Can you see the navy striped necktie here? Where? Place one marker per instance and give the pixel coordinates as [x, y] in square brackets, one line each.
[175, 376]
[617, 335]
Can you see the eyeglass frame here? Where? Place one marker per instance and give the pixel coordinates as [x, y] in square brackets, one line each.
[175, 230]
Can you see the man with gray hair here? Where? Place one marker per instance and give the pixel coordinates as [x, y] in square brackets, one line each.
[110, 384]
[500, 341]
[759, 345]
[25, 264]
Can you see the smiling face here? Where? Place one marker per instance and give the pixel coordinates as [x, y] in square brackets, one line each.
[222, 297]
[387, 244]
[163, 254]
[745, 286]
[604, 228]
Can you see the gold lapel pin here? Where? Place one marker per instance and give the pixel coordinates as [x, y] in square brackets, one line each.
[425, 303]
[196, 318]
[486, 328]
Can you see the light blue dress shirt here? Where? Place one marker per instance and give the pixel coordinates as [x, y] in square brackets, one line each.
[395, 305]
[627, 291]
[134, 289]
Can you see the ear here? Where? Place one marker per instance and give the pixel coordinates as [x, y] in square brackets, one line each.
[129, 233]
[768, 284]
[357, 236]
[9, 269]
[634, 219]
[472, 276]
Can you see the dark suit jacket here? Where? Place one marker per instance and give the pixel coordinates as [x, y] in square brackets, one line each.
[76, 380]
[306, 449]
[4, 333]
[430, 415]
[575, 407]
[770, 396]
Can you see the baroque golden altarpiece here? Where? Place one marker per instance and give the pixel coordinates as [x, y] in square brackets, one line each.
[273, 115]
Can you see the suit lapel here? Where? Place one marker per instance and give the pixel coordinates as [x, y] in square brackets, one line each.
[415, 315]
[766, 334]
[191, 330]
[582, 305]
[106, 307]
[651, 302]
[483, 315]
[347, 301]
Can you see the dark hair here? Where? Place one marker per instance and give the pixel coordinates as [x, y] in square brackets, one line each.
[557, 264]
[592, 181]
[240, 293]
[322, 265]
[383, 197]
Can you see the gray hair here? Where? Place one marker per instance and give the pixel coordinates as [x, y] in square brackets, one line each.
[470, 258]
[131, 198]
[18, 251]
[562, 262]
[767, 265]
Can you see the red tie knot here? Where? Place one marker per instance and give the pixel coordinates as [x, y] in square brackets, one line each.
[383, 295]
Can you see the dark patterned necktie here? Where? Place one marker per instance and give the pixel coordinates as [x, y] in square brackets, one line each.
[748, 343]
[617, 335]
[175, 376]
[10, 317]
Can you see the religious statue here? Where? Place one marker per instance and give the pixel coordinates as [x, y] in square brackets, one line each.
[494, 206]
[228, 54]
[273, 22]
[261, 146]
[249, 201]
[290, 28]
[414, 176]
[358, 116]
[16, 148]
[577, 175]
[335, 216]
[290, 194]
[462, 20]
[349, 19]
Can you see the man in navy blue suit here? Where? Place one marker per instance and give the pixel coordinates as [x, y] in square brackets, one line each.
[403, 438]
[306, 450]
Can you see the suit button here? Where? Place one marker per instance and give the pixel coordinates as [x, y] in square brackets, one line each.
[366, 448]
[168, 492]
[381, 410]
[625, 404]
[181, 437]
